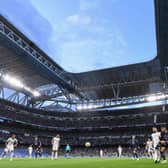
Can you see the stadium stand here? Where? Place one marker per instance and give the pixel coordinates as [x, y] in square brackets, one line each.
[101, 128]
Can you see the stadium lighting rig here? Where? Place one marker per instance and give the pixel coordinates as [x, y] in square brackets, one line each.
[151, 98]
[87, 107]
[121, 102]
[156, 97]
[18, 84]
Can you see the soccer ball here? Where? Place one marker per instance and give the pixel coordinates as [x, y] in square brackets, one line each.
[87, 144]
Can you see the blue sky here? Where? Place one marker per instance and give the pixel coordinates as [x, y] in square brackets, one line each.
[83, 35]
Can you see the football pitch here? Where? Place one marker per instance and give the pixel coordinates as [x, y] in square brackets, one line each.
[80, 163]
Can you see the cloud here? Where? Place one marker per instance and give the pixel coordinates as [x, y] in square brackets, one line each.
[89, 54]
[89, 47]
[79, 19]
[88, 4]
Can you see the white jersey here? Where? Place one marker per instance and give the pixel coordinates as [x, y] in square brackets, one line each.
[119, 150]
[55, 143]
[11, 143]
[30, 149]
[149, 146]
[101, 153]
[155, 139]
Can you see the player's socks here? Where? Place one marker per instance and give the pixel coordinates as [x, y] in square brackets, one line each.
[52, 156]
[163, 157]
[67, 155]
[155, 156]
[11, 156]
[56, 155]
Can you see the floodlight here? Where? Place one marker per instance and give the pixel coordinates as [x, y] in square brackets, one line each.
[79, 107]
[162, 96]
[84, 106]
[13, 81]
[36, 93]
[90, 106]
[152, 98]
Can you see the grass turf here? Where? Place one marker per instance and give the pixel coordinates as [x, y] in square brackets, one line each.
[79, 163]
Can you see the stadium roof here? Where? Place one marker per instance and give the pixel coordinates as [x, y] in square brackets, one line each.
[21, 58]
[26, 61]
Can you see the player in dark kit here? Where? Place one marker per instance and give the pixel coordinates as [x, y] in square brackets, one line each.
[163, 143]
[68, 150]
[135, 153]
[38, 147]
[134, 145]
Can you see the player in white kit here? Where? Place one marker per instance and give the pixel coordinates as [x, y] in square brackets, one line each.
[11, 143]
[101, 153]
[30, 151]
[149, 148]
[155, 142]
[119, 151]
[55, 147]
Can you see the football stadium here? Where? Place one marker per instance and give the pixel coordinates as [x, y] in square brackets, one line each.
[104, 116]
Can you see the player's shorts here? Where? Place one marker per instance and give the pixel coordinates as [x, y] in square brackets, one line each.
[38, 150]
[10, 148]
[30, 151]
[55, 148]
[164, 146]
[150, 150]
[6, 150]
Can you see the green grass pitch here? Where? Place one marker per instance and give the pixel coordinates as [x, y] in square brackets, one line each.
[79, 163]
